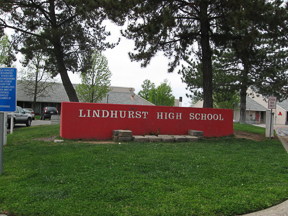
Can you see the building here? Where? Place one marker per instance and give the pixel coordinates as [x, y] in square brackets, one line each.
[256, 108]
[255, 112]
[56, 94]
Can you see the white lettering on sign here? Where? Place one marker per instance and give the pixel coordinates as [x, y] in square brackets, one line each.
[272, 102]
[170, 115]
[88, 113]
[112, 114]
[205, 116]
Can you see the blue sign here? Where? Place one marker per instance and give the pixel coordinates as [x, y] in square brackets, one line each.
[8, 80]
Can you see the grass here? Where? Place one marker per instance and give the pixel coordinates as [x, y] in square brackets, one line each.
[248, 128]
[224, 176]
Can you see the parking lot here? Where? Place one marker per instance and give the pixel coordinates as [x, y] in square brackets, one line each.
[34, 123]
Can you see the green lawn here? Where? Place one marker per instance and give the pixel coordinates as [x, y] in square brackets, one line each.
[224, 176]
[249, 128]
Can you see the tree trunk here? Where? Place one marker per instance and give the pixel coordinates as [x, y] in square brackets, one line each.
[206, 56]
[71, 93]
[35, 89]
[243, 89]
[69, 88]
[243, 103]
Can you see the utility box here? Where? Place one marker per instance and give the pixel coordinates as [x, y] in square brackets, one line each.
[269, 124]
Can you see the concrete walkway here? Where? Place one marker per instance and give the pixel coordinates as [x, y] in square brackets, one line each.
[282, 208]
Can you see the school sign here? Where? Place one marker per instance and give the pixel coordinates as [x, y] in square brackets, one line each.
[97, 121]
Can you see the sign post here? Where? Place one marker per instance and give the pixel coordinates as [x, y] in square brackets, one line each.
[8, 80]
[271, 105]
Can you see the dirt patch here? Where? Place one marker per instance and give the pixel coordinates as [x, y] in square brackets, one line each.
[252, 136]
[237, 134]
[98, 142]
[47, 139]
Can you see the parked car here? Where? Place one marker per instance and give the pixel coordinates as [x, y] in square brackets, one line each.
[19, 117]
[31, 111]
[47, 112]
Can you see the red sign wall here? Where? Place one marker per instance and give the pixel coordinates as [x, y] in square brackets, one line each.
[97, 121]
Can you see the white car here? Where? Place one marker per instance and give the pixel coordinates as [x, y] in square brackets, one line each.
[19, 117]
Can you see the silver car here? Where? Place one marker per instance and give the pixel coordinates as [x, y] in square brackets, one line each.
[31, 111]
[19, 117]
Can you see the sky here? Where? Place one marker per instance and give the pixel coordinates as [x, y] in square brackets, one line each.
[130, 74]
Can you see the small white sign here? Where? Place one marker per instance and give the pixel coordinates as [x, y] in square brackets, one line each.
[272, 102]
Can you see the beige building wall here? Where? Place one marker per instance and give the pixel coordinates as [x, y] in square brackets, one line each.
[199, 104]
[250, 117]
[280, 116]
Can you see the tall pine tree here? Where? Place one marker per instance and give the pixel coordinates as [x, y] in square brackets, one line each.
[254, 54]
[177, 28]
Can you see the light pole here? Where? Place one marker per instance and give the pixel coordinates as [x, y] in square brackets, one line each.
[233, 109]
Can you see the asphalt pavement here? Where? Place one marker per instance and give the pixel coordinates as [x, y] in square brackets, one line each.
[40, 122]
[33, 123]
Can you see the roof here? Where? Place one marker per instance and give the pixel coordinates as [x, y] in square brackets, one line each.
[54, 94]
[253, 105]
[57, 94]
[125, 98]
[250, 105]
[283, 104]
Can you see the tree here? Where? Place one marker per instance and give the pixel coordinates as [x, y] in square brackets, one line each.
[66, 32]
[257, 43]
[35, 78]
[179, 29]
[162, 95]
[146, 88]
[96, 81]
[7, 56]
[227, 99]
[253, 54]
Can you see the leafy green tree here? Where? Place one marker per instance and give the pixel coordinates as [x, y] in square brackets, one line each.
[227, 99]
[35, 78]
[65, 31]
[7, 56]
[162, 95]
[96, 81]
[146, 88]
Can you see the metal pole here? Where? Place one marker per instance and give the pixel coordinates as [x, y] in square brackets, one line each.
[107, 97]
[5, 129]
[233, 109]
[11, 124]
[1, 141]
[270, 124]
